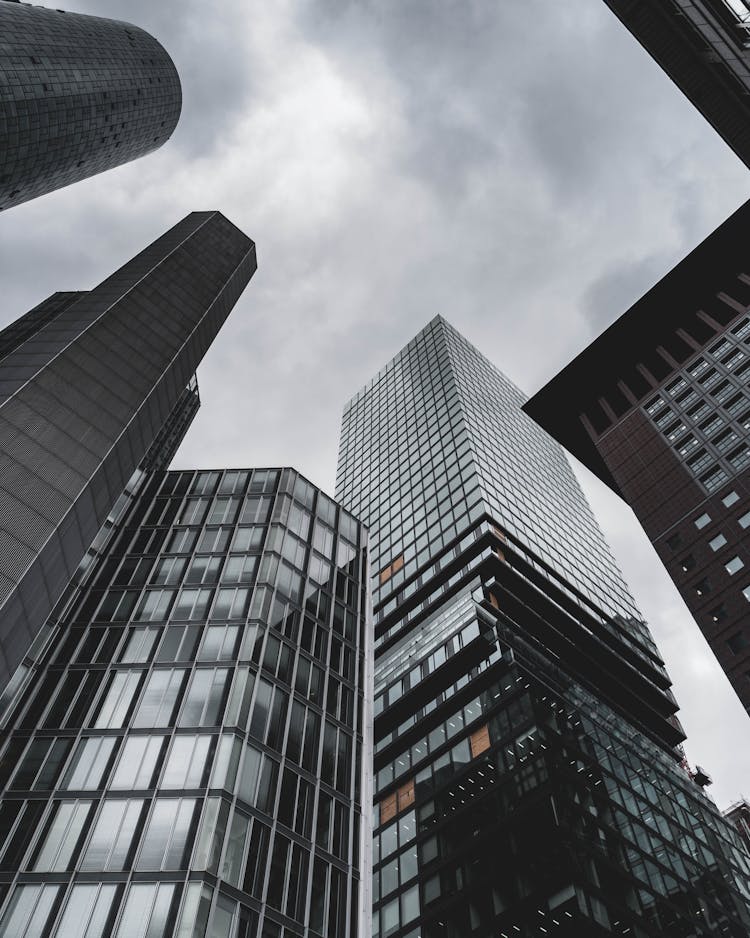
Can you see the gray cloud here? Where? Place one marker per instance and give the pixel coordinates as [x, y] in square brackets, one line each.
[522, 168]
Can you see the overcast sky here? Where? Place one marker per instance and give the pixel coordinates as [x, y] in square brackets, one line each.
[521, 167]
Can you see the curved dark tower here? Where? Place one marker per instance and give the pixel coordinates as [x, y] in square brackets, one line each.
[78, 95]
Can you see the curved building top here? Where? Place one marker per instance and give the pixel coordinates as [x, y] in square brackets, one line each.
[78, 95]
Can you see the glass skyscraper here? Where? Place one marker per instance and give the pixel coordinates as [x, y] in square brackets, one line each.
[78, 95]
[528, 780]
[87, 383]
[185, 756]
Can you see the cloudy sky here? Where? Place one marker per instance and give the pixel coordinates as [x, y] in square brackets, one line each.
[521, 167]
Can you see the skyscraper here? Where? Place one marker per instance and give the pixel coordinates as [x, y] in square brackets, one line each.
[527, 776]
[658, 406]
[185, 756]
[78, 95]
[87, 383]
[704, 47]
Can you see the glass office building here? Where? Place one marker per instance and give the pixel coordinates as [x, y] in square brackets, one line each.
[78, 95]
[528, 780]
[185, 756]
[87, 382]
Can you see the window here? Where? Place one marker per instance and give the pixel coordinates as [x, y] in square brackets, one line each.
[719, 613]
[41, 764]
[169, 571]
[28, 911]
[186, 763]
[713, 479]
[160, 697]
[698, 367]
[730, 499]
[700, 461]
[204, 570]
[138, 763]
[119, 697]
[654, 405]
[746, 592]
[61, 840]
[738, 642]
[167, 838]
[192, 604]
[687, 445]
[154, 606]
[147, 910]
[717, 542]
[676, 386]
[204, 702]
[89, 911]
[703, 587]
[744, 521]
[674, 541]
[248, 538]
[114, 835]
[687, 563]
[89, 763]
[735, 564]
[140, 645]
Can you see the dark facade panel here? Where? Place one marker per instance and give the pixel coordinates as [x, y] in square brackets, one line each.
[703, 46]
[83, 399]
[525, 731]
[187, 757]
[78, 95]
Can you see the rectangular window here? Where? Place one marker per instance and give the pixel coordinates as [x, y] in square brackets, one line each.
[717, 542]
[192, 604]
[160, 698]
[28, 912]
[60, 842]
[113, 838]
[89, 763]
[138, 763]
[89, 911]
[735, 564]
[147, 911]
[186, 765]
[204, 703]
[119, 697]
[738, 642]
[167, 840]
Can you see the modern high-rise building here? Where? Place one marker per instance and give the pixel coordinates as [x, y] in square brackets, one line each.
[528, 777]
[658, 406]
[188, 754]
[704, 47]
[88, 383]
[78, 95]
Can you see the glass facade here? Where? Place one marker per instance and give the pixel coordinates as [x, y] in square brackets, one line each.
[527, 777]
[87, 382]
[185, 757]
[78, 95]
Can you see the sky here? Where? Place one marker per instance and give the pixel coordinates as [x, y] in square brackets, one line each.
[523, 168]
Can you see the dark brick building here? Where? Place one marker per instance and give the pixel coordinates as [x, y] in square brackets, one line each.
[703, 46]
[78, 95]
[659, 408]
